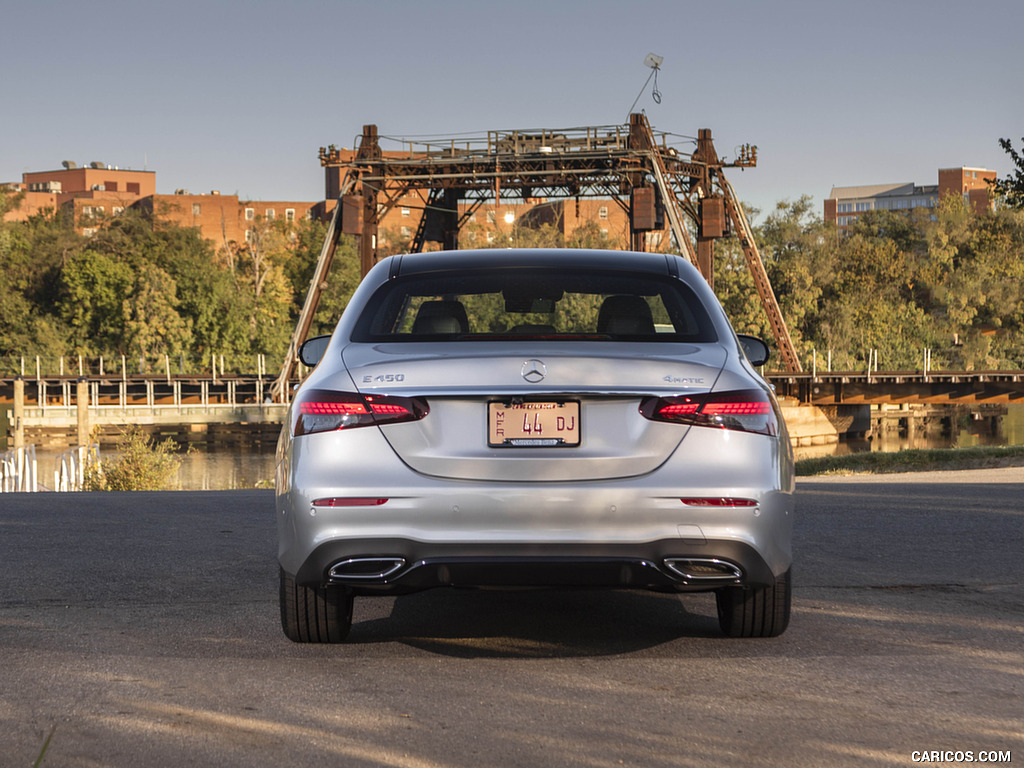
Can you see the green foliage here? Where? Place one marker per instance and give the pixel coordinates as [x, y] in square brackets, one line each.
[1011, 188]
[945, 279]
[95, 287]
[141, 465]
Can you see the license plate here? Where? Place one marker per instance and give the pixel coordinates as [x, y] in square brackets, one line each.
[545, 424]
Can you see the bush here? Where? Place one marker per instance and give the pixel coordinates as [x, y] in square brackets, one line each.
[141, 465]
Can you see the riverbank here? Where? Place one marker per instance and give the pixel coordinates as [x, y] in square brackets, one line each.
[914, 460]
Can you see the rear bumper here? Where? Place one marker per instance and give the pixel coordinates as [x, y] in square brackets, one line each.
[624, 532]
[389, 566]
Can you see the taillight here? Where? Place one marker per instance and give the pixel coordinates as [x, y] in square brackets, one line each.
[746, 410]
[322, 410]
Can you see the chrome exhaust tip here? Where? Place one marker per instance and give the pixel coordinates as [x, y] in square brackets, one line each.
[703, 569]
[365, 568]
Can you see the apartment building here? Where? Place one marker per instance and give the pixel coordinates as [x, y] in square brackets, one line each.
[93, 192]
[845, 204]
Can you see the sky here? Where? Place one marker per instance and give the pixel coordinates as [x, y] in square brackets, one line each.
[238, 96]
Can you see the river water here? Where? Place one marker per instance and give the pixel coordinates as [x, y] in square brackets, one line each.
[1008, 430]
[200, 470]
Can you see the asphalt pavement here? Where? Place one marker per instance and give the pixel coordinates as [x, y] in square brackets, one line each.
[142, 629]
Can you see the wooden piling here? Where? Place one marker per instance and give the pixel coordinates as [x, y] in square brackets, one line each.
[82, 401]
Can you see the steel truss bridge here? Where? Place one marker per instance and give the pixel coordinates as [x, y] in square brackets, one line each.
[649, 174]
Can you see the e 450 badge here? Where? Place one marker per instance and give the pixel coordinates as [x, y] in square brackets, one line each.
[384, 378]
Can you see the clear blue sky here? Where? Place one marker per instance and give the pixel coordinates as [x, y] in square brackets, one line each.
[238, 96]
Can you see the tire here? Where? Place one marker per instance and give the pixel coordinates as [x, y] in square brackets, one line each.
[755, 611]
[314, 614]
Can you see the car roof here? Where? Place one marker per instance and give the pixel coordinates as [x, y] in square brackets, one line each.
[439, 261]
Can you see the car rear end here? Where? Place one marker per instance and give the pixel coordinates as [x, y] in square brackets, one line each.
[523, 419]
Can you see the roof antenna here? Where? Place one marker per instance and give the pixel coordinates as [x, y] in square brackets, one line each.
[654, 62]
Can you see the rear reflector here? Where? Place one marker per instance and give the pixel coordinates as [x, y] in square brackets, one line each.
[745, 410]
[717, 502]
[322, 410]
[349, 501]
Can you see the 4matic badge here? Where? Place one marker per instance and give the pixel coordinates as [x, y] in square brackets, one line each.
[686, 381]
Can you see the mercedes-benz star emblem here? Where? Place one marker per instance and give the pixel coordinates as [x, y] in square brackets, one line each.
[534, 371]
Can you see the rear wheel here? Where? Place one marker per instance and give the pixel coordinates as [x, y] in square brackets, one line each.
[755, 611]
[314, 614]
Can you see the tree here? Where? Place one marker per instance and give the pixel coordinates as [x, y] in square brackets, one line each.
[152, 322]
[1011, 188]
[95, 287]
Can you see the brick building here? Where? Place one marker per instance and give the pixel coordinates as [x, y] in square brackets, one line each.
[93, 192]
[845, 204]
[223, 219]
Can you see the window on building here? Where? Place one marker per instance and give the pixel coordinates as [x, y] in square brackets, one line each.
[845, 207]
[248, 235]
[602, 212]
[271, 213]
[88, 211]
[863, 207]
[197, 209]
[117, 210]
[406, 232]
[250, 214]
[406, 213]
[289, 214]
[132, 187]
[110, 186]
[491, 217]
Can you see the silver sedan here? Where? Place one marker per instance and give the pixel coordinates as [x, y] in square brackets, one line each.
[534, 418]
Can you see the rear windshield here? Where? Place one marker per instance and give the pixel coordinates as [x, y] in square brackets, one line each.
[541, 304]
